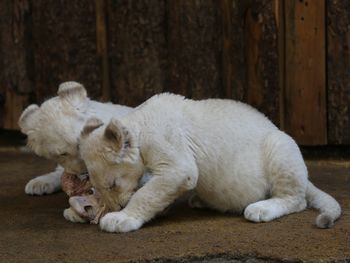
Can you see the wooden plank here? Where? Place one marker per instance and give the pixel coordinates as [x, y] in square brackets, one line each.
[137, 49]
[280, 23]
[194, 34]
[102, 49]
[338, 64]
[227, 32]
[16, 64]
[305, 96]
[15, 104]
[233, 66]
[250, 61]
[64, 35]
[262, 61]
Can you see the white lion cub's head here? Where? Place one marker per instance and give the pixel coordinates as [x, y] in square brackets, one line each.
[112, 157]
[53, 129]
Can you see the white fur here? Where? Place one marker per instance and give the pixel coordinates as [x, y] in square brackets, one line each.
[53, 131]
[231, 155]
[54, 128]
[119, 222]
[45, 184]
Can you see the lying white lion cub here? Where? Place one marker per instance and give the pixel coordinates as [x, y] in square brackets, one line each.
[232, 156]
[53, 130]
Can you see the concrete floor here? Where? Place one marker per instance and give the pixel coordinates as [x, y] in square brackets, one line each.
[34, 230]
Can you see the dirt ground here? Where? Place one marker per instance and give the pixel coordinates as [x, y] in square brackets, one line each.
[34, 230]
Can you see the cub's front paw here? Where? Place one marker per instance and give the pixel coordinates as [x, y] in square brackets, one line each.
[70, 215]
[119, 222]
[258, 212]
[40, 186]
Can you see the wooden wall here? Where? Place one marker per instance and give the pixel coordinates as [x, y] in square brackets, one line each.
[269, 53]
[338, 71]
[305, 78]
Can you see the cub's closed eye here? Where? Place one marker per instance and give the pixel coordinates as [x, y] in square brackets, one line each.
[64, 154]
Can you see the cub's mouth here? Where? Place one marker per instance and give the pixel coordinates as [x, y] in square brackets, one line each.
[85, 200]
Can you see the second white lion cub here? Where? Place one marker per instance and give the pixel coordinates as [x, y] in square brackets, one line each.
[233, 157]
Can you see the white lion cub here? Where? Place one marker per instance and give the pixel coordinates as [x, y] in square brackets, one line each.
[53, 130]
[233, 157]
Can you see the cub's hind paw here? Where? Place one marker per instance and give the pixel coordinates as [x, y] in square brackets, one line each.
[259, 213]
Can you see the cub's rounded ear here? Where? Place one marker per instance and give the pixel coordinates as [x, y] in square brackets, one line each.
[91, 125]
[26, 116]
[72, 90]
[116, 134]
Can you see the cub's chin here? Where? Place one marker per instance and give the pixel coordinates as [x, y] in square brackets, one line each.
[88, 203]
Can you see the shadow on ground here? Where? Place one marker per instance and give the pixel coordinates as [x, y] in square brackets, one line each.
[34, 230]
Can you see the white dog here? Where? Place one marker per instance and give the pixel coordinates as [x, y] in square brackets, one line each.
[53, 130]
[233, 157]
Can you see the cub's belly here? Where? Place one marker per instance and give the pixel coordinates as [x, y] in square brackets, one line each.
[231, 188]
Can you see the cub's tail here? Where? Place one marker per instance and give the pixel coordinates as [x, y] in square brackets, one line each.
[328, 206]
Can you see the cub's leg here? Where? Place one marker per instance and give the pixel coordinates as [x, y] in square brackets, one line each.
[148, 201]
[45, 184]
[172, 176]
[287, 176]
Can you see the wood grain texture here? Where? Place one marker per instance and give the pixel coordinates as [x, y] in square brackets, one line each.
[305, 79]
[194, 42]
[262, 61]
[16, 63]
[338, 59]
[131, 50]
[15, 104]
[233, 62]
[64, 35]
[280, 23]
[137, 49]
[102, 48]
